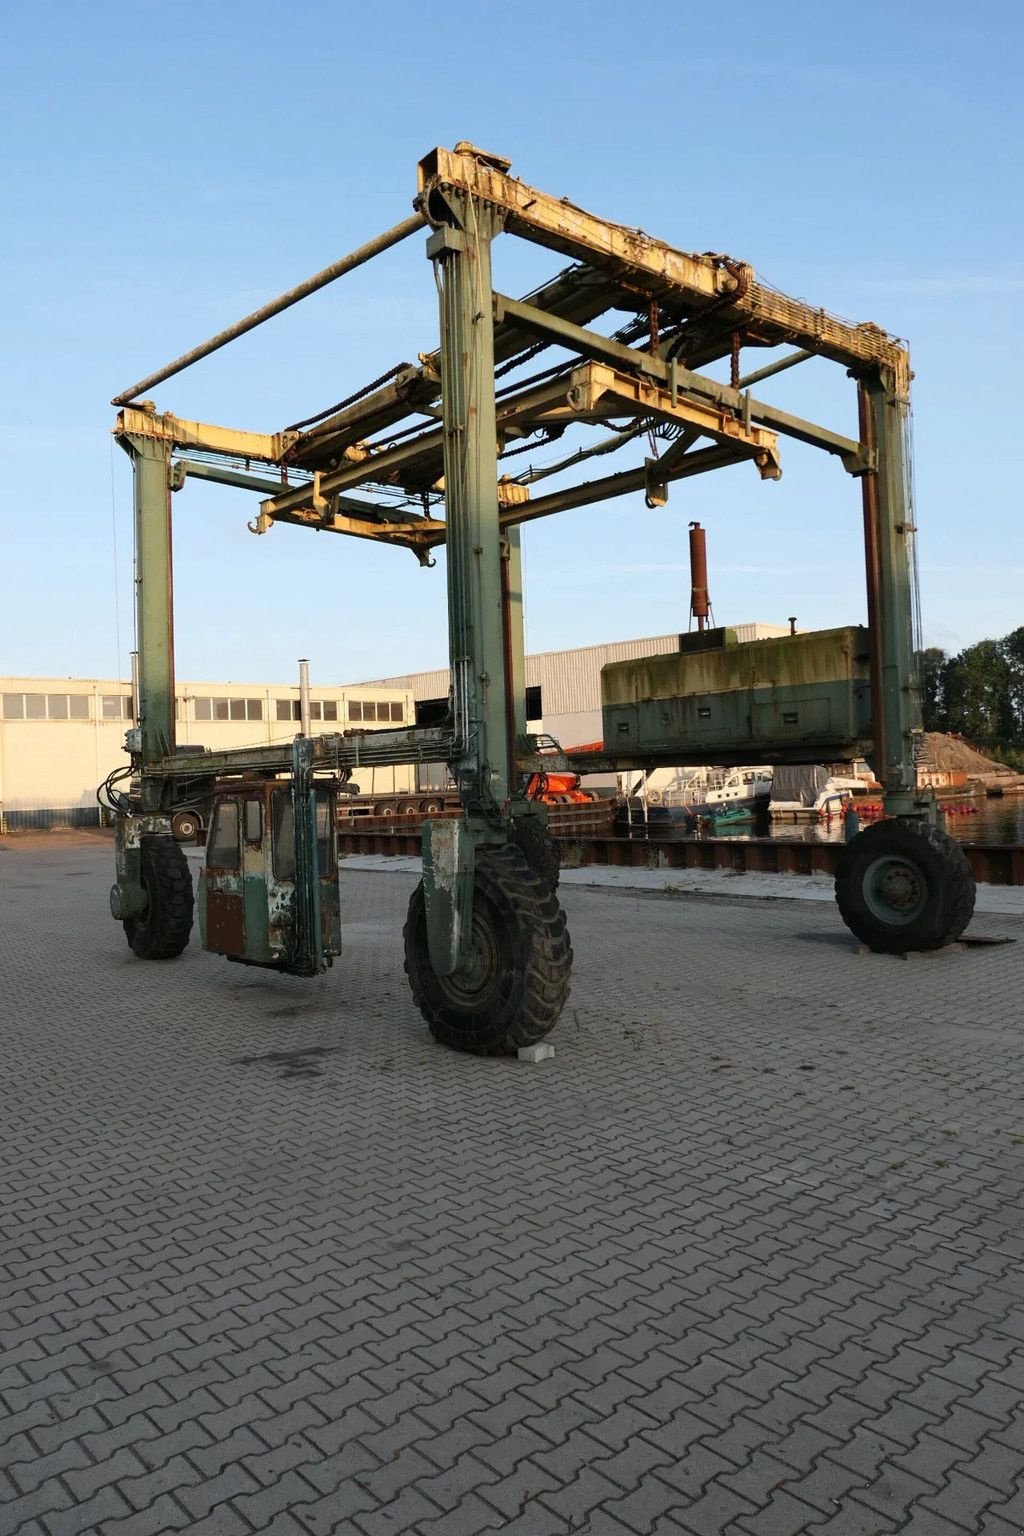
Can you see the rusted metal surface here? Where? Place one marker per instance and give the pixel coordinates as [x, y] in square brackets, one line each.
[302, 290]
[700, 601]
[165, 427]
[654, 268]
[589, 392]
[225, 913]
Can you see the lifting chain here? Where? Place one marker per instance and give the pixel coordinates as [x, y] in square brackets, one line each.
[360, 394]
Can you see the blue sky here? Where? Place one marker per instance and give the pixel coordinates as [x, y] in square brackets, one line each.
[168, 169]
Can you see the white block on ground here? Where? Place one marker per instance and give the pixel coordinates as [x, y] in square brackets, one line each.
[535, 1052]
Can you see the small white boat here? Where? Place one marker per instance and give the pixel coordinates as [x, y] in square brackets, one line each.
[809, 793]
[741, 786]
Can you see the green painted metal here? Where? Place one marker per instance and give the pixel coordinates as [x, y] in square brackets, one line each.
[257, 917]
[683, 381]
[799, 698]
[448, 861]
[155, 607]
[461, 250]
[302, 290]
[127, 894]
[884, 415]
[515, 678]
[307, 954]
[707, 308]
[515, 681]
[280, 906]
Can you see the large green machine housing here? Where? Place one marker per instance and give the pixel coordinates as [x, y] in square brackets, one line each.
[425, 455]
[797, 699]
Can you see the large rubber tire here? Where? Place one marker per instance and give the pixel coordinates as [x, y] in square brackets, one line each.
[531, 836]
[903, 885]
[163, 931]
[523, 961]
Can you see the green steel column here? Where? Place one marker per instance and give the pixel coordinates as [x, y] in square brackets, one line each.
[154, 597]
[897, 713]
[462, 252]
[515, 646]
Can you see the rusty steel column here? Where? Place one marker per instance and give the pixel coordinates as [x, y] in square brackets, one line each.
[869, 498]
[700, 601]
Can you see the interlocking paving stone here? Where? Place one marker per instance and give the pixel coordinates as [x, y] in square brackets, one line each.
[744, 1258]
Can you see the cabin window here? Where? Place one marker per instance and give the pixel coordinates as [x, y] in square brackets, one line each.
[324, 832]
[223, 851]
[254, 821]
[284, 835]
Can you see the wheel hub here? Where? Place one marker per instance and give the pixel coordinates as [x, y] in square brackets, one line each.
[895, 889]
[481, 969]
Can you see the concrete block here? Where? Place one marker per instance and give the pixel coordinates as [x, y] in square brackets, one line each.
[535, 1053]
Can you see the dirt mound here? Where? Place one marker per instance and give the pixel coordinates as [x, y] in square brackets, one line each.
[953, 753]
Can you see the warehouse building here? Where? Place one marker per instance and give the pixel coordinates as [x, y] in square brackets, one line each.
[60, 737]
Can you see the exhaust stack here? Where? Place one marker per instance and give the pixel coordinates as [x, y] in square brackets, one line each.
[304, 696]
[700, 601]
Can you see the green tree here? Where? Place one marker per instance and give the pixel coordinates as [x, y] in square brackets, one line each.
[1011, 648]
[977, 693]
[932, 662]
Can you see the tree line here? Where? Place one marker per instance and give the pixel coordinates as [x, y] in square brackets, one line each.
[978, 694]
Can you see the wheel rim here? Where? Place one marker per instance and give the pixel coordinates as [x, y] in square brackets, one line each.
[895, 889]
[471, 987]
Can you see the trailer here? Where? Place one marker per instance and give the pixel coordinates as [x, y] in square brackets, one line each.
[426, 454]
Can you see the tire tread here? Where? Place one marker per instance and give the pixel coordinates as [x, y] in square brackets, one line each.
[164, 932]
[954, 877]
[547, 974]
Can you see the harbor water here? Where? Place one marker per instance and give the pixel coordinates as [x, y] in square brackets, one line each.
[980, 819]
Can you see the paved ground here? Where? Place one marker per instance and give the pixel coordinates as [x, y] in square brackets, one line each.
[745, 1257]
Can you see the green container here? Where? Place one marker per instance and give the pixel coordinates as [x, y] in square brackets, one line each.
[802, 698]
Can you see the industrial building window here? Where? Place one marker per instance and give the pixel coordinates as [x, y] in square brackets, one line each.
[381, 713]
[46, 706]
[229, 709]
[319, 709]
[534, 708]
[116, 706]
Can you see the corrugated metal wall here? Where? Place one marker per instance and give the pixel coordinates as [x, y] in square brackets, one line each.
[570, 681]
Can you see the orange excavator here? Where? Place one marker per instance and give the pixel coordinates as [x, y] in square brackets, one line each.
[562, 788]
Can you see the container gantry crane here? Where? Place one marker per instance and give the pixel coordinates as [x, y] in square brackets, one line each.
[486, 945]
